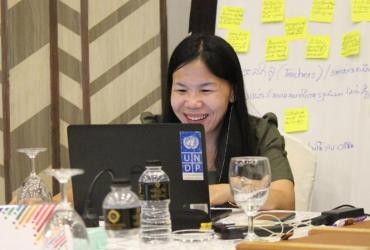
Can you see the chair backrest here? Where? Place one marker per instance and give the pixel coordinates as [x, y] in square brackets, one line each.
[303, 164]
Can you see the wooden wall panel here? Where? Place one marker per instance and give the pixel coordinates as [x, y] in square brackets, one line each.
[73, 62]
[69, 53]
[29, 85]
[125, 59]
[2, 172]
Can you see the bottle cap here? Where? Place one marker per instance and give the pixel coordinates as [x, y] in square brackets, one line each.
[124, 182]
[153, 163]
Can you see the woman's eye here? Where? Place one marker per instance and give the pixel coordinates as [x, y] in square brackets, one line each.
[180, 90]
[207, 90]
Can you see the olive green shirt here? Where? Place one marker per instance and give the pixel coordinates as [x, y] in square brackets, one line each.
[271, 144]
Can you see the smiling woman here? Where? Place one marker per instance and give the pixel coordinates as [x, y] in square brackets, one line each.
[205, 85]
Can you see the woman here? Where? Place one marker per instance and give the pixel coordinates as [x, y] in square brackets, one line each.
[205, 85]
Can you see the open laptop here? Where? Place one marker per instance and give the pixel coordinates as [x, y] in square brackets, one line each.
[125, 149]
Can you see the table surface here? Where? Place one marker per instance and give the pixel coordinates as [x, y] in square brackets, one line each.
[133, 242]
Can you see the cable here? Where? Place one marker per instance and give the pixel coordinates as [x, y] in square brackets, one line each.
[273, 235]
[348, 205]
[89, 214]
[326, 218]
[342, 206]
[96, 178]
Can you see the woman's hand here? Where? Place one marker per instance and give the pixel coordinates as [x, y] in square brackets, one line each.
[219, 194]
[281, 195]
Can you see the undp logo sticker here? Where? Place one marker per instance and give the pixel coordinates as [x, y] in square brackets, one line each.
[191, 155]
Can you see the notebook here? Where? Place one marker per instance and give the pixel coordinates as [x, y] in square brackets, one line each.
[125, 149]
[22, 226]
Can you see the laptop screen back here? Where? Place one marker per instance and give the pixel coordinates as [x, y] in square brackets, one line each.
[125, 149]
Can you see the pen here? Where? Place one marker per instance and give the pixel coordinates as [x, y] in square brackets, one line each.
[348, 221]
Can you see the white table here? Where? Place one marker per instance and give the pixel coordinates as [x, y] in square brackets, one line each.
[134, 243]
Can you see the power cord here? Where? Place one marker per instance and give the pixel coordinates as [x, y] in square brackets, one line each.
[89, 215]
[283, 228]
[342, 206]
[349, 206]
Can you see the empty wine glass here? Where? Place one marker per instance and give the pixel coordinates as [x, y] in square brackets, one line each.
[65, 229]
[33, 189]
[250, 179]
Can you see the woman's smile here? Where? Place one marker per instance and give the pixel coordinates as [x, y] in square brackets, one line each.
[196, 117]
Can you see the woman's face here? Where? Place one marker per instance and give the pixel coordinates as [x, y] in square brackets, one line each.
[198, 96]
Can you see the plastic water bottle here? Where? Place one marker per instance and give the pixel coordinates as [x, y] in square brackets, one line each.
[121, 208]
[155, 200]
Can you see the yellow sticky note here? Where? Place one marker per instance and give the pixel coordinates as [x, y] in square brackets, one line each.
[204, 226]
[230, 17]
[296, 120]
[360, 10]
[318, 47]
[295, 28]
[273, 11]
[322, 11]
[351, 43]
[239, 40]
[276, 49]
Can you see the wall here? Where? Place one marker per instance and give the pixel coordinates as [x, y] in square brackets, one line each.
[178, 13]
[69, 61]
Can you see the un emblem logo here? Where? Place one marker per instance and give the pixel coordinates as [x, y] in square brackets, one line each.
[191, 142]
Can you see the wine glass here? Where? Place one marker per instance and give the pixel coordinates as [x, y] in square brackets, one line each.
[66, 229]
[33, 189]
[250, 179]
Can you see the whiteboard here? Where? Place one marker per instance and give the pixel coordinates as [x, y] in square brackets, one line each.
[334, 90]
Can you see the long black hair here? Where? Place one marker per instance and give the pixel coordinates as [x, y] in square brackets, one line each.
[222, 61]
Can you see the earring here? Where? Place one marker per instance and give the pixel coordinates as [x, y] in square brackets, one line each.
[232, 98]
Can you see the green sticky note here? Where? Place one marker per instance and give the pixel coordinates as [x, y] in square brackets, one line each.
[296, 120]
[230, 17]
[79, 244]
[351, 44]
[322, 11]
[360, 10]
[98, 238]
[276, 49]
[318, 47]
[272, 11]
[239, 40]
[295, 28]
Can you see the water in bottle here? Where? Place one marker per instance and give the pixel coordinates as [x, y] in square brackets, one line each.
[155, 200]
[121, 208]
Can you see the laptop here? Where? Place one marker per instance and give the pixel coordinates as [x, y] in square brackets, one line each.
[125, 148]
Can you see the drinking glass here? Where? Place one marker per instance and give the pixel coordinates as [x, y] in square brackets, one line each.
[250, 179]
[65, 229]
[33, 189]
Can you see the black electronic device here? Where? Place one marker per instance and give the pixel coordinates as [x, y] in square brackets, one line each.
[237, 231]
[125, 148]
[220, 213]
[228, 232]
[331, 216]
